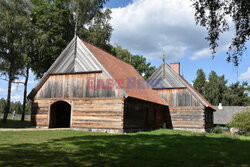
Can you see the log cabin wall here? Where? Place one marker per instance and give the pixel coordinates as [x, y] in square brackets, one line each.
[188, 118]
[185, 110]
[93, 114]
[142, 115]
[39, 113]
[104, 115]
[92, 108]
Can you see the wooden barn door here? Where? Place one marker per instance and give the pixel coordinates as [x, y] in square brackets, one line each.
[60, 115]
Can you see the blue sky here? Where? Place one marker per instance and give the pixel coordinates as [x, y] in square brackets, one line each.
[147, 27]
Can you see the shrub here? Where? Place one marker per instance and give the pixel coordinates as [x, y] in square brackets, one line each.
[218, 129]
[241, 121]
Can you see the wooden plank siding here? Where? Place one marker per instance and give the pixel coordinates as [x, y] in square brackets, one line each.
[68, 86]
[186, 112]
[39, 113]
[98, 113]
[190, 118]
[178, 97]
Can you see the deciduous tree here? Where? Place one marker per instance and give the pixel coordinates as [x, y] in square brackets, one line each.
[214, 14]
[13, 16]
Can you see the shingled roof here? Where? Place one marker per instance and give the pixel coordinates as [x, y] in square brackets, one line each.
[89, 58]
[225, 115]
[166, 78]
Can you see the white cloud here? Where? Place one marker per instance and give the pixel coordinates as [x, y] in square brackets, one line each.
[16, 98]
[148, 27]
[246, 75]
[16, 87]
[206, 52]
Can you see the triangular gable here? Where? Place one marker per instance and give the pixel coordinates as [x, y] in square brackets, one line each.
[172, 80]
[68, 62]
[75, 62]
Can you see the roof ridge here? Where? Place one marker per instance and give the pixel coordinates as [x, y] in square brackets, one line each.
[105, 51]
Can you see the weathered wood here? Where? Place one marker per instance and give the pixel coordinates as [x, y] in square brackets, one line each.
[178, 97]
[76, 86]
[187, 117]
[98, 113]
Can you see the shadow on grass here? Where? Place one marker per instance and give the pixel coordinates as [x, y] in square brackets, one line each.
[14, 124]
[129, 150]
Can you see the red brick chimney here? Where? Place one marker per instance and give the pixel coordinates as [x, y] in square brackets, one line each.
[176, 67]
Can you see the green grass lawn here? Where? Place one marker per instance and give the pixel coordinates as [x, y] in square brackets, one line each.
[157, 148]
[15, 123]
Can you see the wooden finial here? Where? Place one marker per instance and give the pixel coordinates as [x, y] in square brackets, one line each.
[163, 57]
[164, 64]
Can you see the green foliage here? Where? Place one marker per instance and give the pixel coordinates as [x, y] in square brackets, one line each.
[15, 106]
[236, 94]
[140, 63]
[214, 16]
[14, 19]
[241, 121]
[200, 81]
[218, 129]
[216, 90]
[55, 24]
[2, 105]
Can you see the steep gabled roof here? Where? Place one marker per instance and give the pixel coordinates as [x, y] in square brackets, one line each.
[89, 58]
[121, 70]
[166, 78]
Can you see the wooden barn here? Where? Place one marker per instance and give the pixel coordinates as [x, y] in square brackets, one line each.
[188, 109]
[90, 89]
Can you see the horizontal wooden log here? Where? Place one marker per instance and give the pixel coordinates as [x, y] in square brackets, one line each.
[99, 102]
[97, 122]
[98, 110]
[96, 118]
[188, 126]
[99, 114]
[187, 117]
[87, 107]
[40, 123]
[188, 123]
[39, 116]
[88, 125]
[187, 120]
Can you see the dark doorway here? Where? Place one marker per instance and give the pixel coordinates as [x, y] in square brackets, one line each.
[60, 115]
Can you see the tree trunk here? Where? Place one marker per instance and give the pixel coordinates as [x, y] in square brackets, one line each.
[25, 93]
[7, 107]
